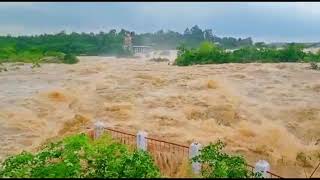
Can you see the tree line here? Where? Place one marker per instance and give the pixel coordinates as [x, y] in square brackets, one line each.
[36, 47]
[190, 38]
[29, 48]
[209, 53]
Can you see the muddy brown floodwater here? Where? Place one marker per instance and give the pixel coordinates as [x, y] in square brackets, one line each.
[262, 111]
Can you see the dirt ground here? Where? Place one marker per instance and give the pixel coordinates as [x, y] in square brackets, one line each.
[262, 111]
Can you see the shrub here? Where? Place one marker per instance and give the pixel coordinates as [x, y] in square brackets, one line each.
[70, 59]
[292, 53]
[217, 164]
[207, 53]
[79, 157]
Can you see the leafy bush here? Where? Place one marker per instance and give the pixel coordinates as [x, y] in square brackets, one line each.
[70, 59]
[292, 53]
[207, 53]
[217, 164]
[79, 157]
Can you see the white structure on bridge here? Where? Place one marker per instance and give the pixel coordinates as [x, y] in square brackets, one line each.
[128, 42]
[141, 49]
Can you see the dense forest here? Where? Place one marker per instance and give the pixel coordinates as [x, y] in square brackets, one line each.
[190, 38]
[36, 47]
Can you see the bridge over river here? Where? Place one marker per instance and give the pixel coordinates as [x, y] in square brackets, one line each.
[141, 49]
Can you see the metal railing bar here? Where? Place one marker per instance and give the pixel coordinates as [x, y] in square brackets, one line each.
[166, 142]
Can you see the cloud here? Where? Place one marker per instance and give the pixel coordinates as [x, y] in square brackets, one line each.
[271, 21]
[15, 4]
[308, 7]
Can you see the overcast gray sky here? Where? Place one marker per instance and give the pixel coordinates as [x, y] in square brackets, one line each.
[263, 21]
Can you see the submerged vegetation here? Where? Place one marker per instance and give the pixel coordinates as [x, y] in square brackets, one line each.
[159, 59]
[209, 53]
[70, 59]
[314, 66]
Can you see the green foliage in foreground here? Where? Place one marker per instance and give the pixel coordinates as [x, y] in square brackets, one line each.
[217, 164]
[209, 53]
[79, 157]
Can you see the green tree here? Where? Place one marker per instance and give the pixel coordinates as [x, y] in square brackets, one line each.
[292, 53]
[217, 164]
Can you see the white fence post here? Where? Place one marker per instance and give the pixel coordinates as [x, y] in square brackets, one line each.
[262, 166]
[141, 140]
[98, 129]
[195, 151]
